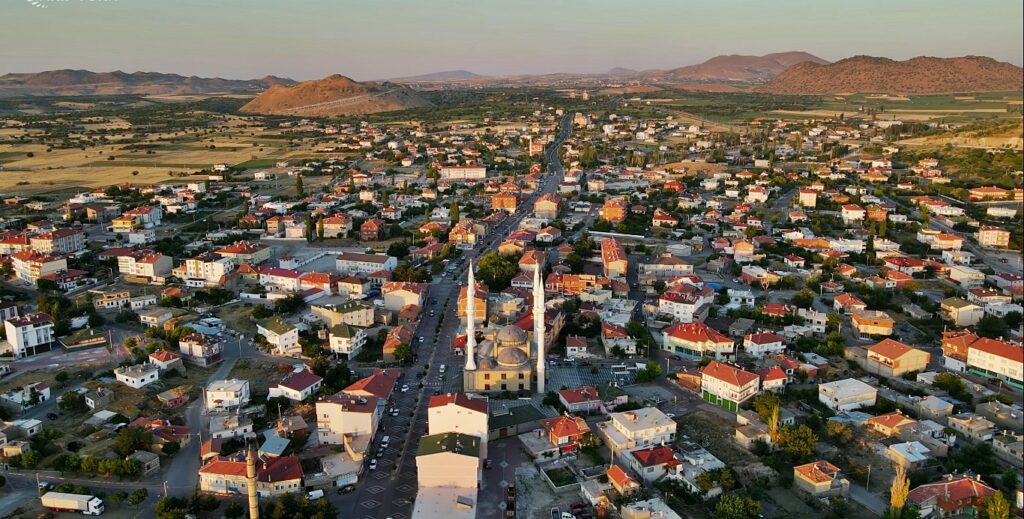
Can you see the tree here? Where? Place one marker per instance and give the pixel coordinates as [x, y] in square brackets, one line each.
[61, 377]
[299, 190]
[131, 439]
[996, 507]
[399, 249]
[172, 508]
[803, 299]
[992, 327]
[496, 271]
[899, 490]
[118, 497]
[453, 213]
[320, 229]
[138, 495]
[838, 432]
[403, 353]
[234, 510]
[648, 373]
[732, 506]
[764, 405]
[72, 402]
[797, 441]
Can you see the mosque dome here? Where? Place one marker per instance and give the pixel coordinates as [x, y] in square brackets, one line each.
[510, 336]
[512, 357]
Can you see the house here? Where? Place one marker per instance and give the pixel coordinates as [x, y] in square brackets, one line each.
[149, 461]
[890, 358]
[960, 312]
[346, 340]
[728, 386]
[615, 338]
[972, 427]
[31, 265]
[282, 336]
[174, 397]
[29, 334]
[275, 476]
[565, 431]
[955, 495]
[225, 395]
[890, 424]
[642, 427]
[348, 420]
[821, 479]
[372, 229]
[873, 322]
[228, 426]
[621, 481]
[398, 294]
[137, 376]
[166, 360]
[848, 303]
[652, 463]
[205, 270]
[245, 252]
[847, 394]
[155, 317]
[911, 455]
[201, 350]
[697, 340]
[762, 343]
[852, 213]
[297, 386]
[547, 206]
[992, 236]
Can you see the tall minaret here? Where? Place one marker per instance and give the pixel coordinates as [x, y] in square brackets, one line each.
[538, 326]
[471, 320]
[250, 483]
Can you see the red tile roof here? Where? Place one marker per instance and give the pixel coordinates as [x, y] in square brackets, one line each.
[696, 332]
[578, 395]
[729, 374]
[300, 380]
[660, 455]
[474, 404]
[999, 348]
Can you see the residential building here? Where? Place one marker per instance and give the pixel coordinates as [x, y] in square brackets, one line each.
[628, 430]
[226, 395]
[201, 350]
[614, 259]
[696, 340]
[138, 376]
[349, 263]
[728, 386]
[346, 340]
[349, 421]
[31, 265]
[245, 252]
[763, 343]
[821, 479]
[282, 336]
[955, 495]
[873, 322]
[847, 394]
[992, 236]
[29, 334]
[890, 358]
[960, 312]
[297, 386]
[275, 476]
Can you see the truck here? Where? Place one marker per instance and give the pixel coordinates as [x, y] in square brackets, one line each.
[64, 502]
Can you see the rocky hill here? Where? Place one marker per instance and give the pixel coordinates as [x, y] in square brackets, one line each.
[334, 95]
[68, 82]
[921, 75]
[734, 67]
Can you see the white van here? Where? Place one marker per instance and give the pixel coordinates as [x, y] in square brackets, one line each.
[385, 441]
[314, 495]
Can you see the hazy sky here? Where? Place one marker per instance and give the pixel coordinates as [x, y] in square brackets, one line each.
[374, 39]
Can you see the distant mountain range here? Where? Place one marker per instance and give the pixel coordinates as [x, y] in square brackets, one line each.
[68, 82]
[334, 95]
[738, 68]
[921, 75]
[447, 75]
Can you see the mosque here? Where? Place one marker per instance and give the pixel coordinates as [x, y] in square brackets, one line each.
[504, 360]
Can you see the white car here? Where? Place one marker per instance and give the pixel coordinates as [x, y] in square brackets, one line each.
[405, 388]
[373, 464]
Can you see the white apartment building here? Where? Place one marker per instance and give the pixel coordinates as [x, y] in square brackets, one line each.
[997, 359]
[763, 343]
[224, 395]
[847, 394]
[348, 420]
[642, 427]
[357, 263]
[205, 270]
[138, 376]
[29, 334]
[279, 334]
[728, 386]
[456, 412]
[346, 340]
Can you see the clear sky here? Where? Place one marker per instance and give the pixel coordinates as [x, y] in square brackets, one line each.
[374, 39]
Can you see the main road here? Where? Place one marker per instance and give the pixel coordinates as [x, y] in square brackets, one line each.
[390, 490]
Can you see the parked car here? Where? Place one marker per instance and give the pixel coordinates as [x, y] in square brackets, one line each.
[373, 464]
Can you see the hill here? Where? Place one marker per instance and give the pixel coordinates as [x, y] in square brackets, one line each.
[68, 82]
[334, 95]
[921, 75]
[734, 67]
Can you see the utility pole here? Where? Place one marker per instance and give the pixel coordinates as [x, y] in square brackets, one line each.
[165, 488]
[867, 485]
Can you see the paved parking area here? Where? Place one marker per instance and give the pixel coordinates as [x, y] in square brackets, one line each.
[575, 376]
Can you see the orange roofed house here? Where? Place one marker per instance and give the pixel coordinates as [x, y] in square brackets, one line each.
[890, 358]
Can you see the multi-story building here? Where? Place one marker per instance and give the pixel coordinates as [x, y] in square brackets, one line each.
[205, 270]
[349, 421]
[992, 236]
[398, 294]
[346, 340]
[245, 252]
[547, 206]
[297, 386]
[29, 334]
[458, 413]
[821, 479]
[31, 265]
[847, 394]
[201, 350]
[357, 263]
[727, 386]
[952, 496]
[614, 209]
[614, 259]
[275, 476]
[282, 336]
[890, 358]
[990, 358]
[463, 172]
[226, 395]
[763, 343]
[696, 340]
[58, 241]
[505, 202]
[629, 430]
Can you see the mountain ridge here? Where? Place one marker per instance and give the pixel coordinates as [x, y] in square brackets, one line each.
[69, 82]
[334, 95]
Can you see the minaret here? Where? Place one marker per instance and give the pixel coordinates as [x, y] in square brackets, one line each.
[538, 326]
[470, 320]
[250, 483]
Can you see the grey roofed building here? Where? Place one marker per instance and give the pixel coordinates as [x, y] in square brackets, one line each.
[458, 443]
